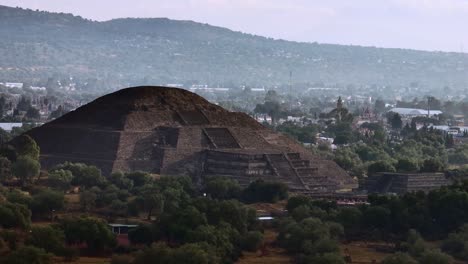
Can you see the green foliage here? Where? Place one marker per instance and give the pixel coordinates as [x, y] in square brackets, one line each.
[310, 237]
[380, 166]
[60, 179]
[407, 165]
[83, 174]
[32, 114]
[268, 192]
[5, 169]
[252, 241]
[16, 196]
[222, 188]
[48, 238]
[29, 255]
[432, 165]
[92, 231]
[46, 202]
[14, 215]
[457, 243]
[10, 237]
[394, 119]
[271, 108]
[26, 146]
[121, 180]
[88, 200]
[143, 234]
[459, 155]
[186, 254]
[327, 258]
[139, 178]
[304, 134]
[26, 168]
[435, 257]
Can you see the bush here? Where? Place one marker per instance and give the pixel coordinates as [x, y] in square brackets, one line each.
[47, 201]
[92, 231]
[25, 169]
[10, 237]
[83, 174]
[48, 238]
[252, 241]
[14, 215]
[60, 179]
[267, 192]
[143, 234]
[29, 255]
[222, 188]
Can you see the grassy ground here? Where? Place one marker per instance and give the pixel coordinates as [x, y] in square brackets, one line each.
[361, 252]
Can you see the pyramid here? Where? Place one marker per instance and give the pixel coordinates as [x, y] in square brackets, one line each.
[172, 131]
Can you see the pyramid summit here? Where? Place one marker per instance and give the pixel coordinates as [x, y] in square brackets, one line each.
[175, 132]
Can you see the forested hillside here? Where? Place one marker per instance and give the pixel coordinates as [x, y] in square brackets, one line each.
[37, 45]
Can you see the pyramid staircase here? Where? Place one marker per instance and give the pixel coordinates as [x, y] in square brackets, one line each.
[221, 138]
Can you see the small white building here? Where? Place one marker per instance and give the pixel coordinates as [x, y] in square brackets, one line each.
[13, 85]
[9, 126]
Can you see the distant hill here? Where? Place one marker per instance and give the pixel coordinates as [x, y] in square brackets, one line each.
[35, 45]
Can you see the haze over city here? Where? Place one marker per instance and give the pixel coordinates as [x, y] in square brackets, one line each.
[415, 24]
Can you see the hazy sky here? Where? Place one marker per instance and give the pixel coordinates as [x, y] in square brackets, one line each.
[417, 24]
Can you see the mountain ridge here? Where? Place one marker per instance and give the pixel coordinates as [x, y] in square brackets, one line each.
[160, 50]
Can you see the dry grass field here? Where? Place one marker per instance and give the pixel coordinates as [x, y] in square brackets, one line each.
[361, 252]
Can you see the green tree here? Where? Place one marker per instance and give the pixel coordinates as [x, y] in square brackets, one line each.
[92, 231]
[252, 241]
[83, 174]
[407, 165]
[26, 146]
[29, 255]
[25, 169]
[380, 166]
[48, 238]
[60, 179]
[379, 106]
[88, 200]
[222, 188]
[143, 234]
[14, 215]
[394, 119]
[33, 113]
[46, 202]
[269, 192]
[432, 165]
[435, 257]
[5, 169]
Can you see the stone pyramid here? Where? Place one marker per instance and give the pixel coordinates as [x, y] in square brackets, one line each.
[175, 132]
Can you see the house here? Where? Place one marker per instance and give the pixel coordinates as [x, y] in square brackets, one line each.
[414, 112]
[9, 126]
[12, 85]
[121, 233]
